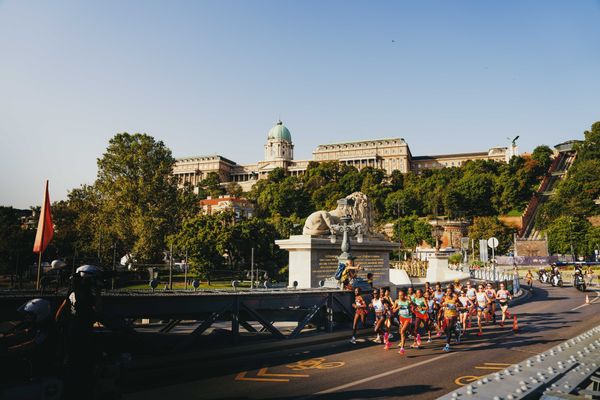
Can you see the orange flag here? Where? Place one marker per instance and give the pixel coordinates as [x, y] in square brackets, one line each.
[45, 229]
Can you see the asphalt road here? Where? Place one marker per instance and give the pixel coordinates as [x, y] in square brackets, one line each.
[341, 370]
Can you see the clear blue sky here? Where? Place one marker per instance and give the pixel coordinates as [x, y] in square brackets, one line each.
[212, 77]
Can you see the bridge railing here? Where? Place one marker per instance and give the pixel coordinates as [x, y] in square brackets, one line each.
[562, 371]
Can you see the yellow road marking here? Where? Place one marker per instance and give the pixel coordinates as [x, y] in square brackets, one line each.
[315, 363]
[242, 377]
[467, 378]
[263, 372]
[463, 380]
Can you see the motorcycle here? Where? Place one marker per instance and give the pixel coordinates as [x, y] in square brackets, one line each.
[579, 282]
[556, 280]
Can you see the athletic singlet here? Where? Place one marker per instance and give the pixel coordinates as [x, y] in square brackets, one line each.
[420, 302]
[404, 309]
[378, 305]
[430, 305]
[438, 296]
[412, 297]
[481, 301]
[464, 301]
[360, 303]
[471, 293]
[450, 310]
[490, 293]
[502, 296]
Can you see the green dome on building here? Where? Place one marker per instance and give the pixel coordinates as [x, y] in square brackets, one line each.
[279, 131]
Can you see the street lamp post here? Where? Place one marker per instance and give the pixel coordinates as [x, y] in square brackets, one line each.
[437, 231]
[346, 228]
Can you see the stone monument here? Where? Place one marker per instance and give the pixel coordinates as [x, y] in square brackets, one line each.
[314, 256]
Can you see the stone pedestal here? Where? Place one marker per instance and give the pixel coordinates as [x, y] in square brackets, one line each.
[438, 270]
[313, 259]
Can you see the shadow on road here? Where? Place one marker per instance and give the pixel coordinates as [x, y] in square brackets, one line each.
[393, 392]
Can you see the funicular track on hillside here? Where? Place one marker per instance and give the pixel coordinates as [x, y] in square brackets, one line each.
[556, 172]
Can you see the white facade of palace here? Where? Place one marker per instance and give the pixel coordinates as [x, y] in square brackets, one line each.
[387, 154]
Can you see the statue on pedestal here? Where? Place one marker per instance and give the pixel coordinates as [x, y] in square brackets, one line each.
[357, 206]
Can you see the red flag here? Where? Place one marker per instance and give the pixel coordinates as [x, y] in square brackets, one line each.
[45, 229]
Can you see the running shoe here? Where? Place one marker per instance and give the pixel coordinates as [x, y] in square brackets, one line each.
[479, 333]
[501, 324]
[387, 346]
[507, 314]
[353, 340]
[439, 334]
[469, 325]
[429, 340]
[447, 348]
[401, 352]
[418, 340]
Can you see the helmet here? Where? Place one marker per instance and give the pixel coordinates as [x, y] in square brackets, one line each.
[89, 271]
[58, 264]
[39, 308]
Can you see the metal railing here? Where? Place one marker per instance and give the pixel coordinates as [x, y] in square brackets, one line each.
[564, 369]
[488, 275]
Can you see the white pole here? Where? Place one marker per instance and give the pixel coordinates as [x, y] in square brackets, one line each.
[252, 269]
[494, 263]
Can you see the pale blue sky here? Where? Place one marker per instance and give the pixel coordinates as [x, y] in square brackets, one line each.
[212, 77]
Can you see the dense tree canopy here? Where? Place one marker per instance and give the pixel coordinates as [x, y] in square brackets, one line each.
[564, 215]
[15, 243]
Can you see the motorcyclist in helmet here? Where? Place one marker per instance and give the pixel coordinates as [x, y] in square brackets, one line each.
[76, 317]
[31, 347]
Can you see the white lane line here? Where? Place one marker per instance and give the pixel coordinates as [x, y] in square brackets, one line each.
[585, 304]
[371, 378]
[395, 371]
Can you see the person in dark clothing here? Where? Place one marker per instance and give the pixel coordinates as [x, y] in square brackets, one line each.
[76, 317]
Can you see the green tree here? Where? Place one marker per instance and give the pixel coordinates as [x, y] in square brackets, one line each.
[487, 227]
[16, 243]
[210, 186]
[590, 148]
[567, 231]
[137, 195]
[234, 189]
[543, 155]
[412, 231]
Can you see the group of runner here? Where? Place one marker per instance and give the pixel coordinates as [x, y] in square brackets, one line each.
[431, 311]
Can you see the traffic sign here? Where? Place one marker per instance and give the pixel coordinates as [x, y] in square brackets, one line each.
[492, 242]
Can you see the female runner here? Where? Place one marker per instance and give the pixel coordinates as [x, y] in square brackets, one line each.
[503, 297]
[438, 294]
[491, 294]
[482, 301]
[360, 313]
[471, 294]
[450, 303]
[421, 316]
[403, 307]
[377, 306]
[465, 309]
[388, 306]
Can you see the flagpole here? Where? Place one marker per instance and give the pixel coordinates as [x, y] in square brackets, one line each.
[39, 271]
[42, 215]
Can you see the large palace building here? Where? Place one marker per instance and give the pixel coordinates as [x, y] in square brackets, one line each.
[387, 154]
